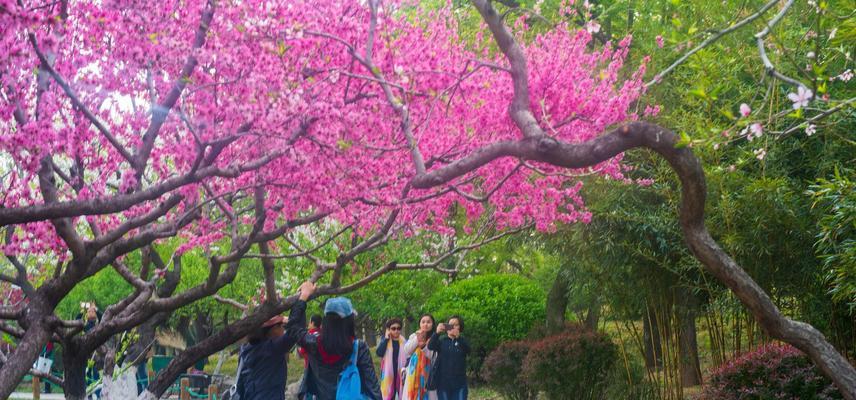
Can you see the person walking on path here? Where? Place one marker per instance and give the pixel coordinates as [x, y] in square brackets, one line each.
[393, 359]
[419, 362]
[452, 353]
[330, 351]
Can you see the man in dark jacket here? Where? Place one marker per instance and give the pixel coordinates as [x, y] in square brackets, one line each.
[451, 366]
[321, 378]
[264, 360]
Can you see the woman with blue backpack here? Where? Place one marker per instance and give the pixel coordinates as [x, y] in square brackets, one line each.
[340, 366]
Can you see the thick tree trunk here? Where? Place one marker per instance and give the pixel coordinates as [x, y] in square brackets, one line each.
[557, 301]
[593, 315]
[538, 146]
[74, 382]
[652, 347]
[20, 360]
[687, 343]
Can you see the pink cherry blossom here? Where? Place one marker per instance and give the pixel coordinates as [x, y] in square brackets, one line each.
[801, 97]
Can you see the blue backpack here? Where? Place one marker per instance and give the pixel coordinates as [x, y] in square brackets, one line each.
[350, 385]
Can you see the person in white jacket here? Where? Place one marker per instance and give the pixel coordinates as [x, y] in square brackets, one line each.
[426, 328]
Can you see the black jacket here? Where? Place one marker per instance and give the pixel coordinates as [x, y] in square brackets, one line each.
[451, 361]
[263, 368]
[320, 378]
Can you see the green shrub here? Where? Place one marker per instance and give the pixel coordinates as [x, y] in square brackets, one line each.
[575, 361]
[495, 309]
[503, 370]
[770, 372]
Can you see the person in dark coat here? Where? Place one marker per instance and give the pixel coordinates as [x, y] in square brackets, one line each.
[264, 361]
[330, 351]
[451, 366]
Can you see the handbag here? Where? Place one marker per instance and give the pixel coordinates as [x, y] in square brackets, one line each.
[431, 384]
[43, 365]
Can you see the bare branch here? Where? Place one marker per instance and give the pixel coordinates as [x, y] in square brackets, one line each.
[710, 40]
[489, 193]
[435, 264]
[519, 107]
[818, 117]
[762, 51]
[301, 253]
[231, 302]
[137, 222]
[75, 101]
[270, 279]
[161, 111]
[63, 226]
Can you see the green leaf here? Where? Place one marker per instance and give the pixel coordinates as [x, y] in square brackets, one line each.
[684, 140]
[699, 92]
[343, 144]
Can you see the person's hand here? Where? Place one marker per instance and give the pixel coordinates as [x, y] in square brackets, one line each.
[386, 334]
[441, 328]
[306, 290]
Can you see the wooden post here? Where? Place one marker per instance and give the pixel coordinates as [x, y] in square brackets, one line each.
[185, 383]
[212, 392]
[37, 388]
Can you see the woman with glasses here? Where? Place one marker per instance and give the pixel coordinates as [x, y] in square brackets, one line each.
[451, 362]
[391, 351]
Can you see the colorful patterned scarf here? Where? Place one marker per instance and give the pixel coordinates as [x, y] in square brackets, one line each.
[416, 377]
[388, 386]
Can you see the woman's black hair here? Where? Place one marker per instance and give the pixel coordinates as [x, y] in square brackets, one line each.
[433, 321]
[338, 334]
[392, 321]
[460, 322]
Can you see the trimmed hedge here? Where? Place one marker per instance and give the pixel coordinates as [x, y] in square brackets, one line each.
[495, 308]
[575, 361]
[503, 370]
[774, 371]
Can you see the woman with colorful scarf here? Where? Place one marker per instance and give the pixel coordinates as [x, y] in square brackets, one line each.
[419, 364]
[391, 350]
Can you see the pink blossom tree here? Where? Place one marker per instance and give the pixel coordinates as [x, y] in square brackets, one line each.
[125, 124]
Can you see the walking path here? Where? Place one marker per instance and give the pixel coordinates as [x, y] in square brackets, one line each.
[43, 396]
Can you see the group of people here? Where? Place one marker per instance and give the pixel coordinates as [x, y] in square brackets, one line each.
[429, 365]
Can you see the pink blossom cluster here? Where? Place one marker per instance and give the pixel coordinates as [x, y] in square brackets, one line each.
[268, 67]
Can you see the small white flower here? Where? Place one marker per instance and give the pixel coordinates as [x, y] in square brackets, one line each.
[593, 27]
[756, 129]
[845, 76]
[801, 97]
[810, 54]
[398, 70]
[832, 33]
[760, 154]
[716, 146]
[810, 129]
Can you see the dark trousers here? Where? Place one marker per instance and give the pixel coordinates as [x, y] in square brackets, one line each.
[456, 394]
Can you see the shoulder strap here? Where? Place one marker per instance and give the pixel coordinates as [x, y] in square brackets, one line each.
[354, 353]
